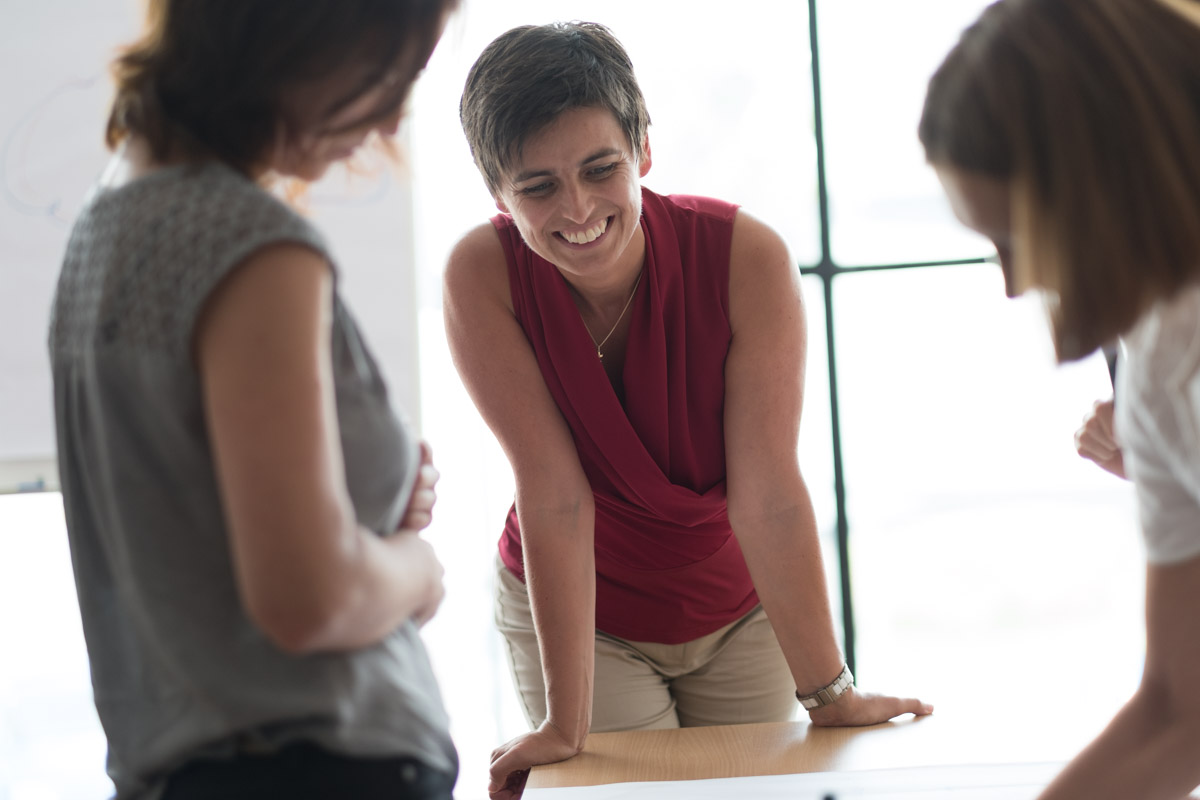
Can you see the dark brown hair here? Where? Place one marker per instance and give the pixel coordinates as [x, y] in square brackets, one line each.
[207, 77]
[530, 75]
[1090, 111]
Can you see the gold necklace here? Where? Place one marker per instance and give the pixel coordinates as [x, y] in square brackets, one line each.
[613, 329]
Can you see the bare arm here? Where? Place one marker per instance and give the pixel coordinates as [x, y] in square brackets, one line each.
[769, 504]
[1151, 749]
[554, 500]
[308, 575]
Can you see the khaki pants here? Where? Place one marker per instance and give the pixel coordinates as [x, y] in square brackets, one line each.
[734, 675]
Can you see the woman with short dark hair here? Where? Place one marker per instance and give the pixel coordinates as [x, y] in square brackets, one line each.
[640, 358]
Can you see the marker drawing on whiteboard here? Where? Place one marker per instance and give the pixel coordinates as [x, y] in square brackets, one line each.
[18, 188]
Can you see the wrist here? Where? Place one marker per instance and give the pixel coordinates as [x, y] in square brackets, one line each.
[573, 736]
[830, 693]
[837, 713]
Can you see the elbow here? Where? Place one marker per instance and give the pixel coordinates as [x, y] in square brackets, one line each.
[1174, 709]
[303, 614]
[295, 637]
[745, 517]
[782, 504]
[301, 599]
[739, 518]
[295, 625]
[566, 513]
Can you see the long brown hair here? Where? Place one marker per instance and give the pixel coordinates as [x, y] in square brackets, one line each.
[207, 76]
[1090, 111]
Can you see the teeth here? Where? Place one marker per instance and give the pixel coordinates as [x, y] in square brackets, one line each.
[590, 235]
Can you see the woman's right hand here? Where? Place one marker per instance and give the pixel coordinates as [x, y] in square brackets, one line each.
[511, 762]
[417, 517]
[420, 554]
[1096, 441]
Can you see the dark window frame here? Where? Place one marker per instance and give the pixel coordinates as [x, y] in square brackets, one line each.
[827, 270]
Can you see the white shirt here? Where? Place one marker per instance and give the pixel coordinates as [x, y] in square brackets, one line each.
[1158, 425]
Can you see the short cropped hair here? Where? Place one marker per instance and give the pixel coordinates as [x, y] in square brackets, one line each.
[1090, 111]
[207, 77]
[530, 75]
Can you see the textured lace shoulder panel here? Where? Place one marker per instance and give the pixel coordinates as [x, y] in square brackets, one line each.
[143, 258]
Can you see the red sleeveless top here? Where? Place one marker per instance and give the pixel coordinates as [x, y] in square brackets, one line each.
[668, 567]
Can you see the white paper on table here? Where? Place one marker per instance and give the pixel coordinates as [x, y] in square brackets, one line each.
[962, 782]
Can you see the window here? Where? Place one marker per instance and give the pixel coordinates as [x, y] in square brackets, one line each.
[981, 554]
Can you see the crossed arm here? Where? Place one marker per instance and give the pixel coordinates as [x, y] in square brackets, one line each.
[262, 351]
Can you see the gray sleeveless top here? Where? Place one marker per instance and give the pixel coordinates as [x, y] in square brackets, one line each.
[178, 670]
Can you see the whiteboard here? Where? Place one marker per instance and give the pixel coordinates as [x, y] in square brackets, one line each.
[54, 57]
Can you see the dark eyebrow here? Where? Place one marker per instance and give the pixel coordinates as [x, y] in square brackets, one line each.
[529, 174]
[605, 153]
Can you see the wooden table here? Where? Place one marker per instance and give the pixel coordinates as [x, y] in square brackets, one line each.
[727, 751]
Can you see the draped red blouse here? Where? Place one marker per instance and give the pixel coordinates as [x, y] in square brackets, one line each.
[668, 567]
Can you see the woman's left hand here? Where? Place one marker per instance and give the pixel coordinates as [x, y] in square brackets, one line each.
[419, 512]
[864, 708]
[1095, 440]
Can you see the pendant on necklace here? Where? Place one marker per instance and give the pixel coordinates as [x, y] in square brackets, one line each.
[613, 329]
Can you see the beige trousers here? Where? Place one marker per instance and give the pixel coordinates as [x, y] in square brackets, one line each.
[734, 675]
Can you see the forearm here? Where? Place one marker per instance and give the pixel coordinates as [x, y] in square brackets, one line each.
[1151, 749]
[560, 574]
[1148, 751]
[783, 554]
[376, 587]
[349, 595]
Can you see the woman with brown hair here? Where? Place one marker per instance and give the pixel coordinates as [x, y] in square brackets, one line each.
[243, 504]
[1068, 132]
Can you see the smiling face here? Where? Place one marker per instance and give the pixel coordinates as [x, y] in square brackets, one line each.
[983, 204]
[575, 196]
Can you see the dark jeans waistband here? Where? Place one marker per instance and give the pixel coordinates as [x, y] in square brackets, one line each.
[304, 771]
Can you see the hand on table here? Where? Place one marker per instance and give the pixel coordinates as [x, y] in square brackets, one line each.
[1095, 439]
[864, 708]
[511, 762]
